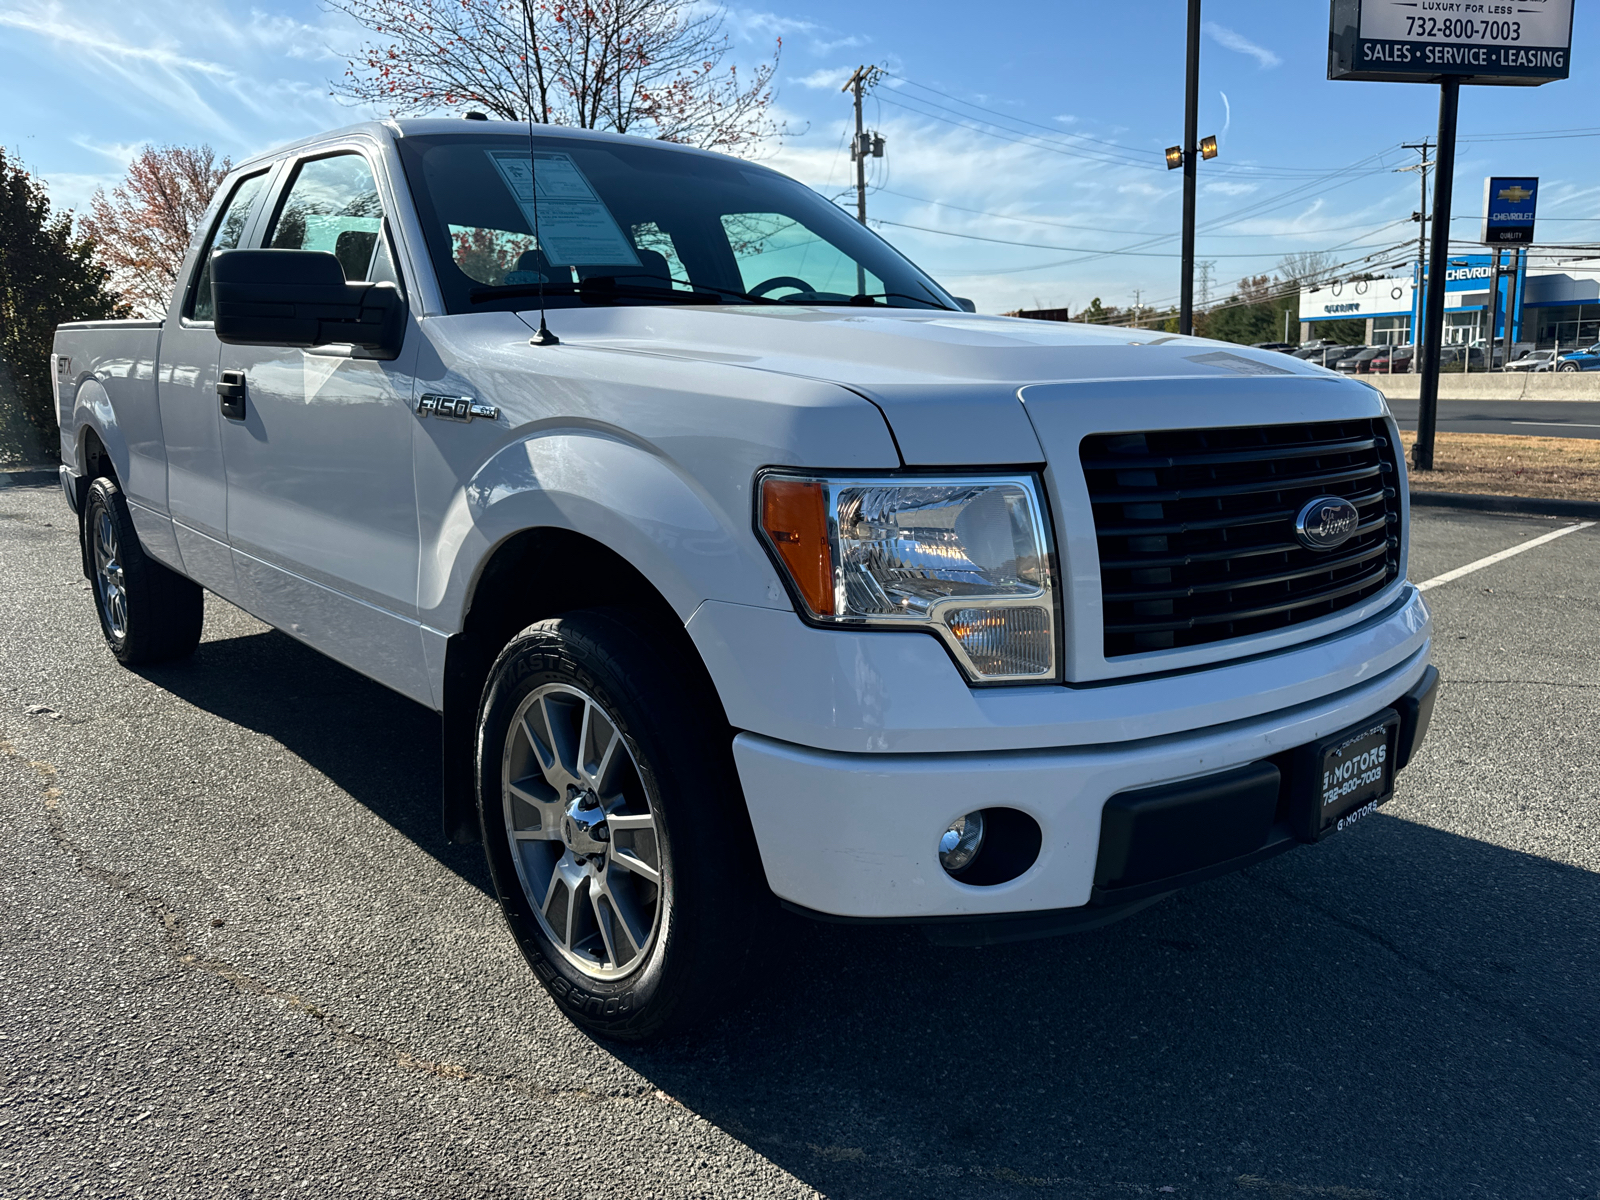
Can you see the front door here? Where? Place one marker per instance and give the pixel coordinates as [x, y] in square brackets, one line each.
[322, 513]
[186, 393]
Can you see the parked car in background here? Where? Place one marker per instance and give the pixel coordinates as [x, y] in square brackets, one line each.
[1587, 359]
[1360, 362]
[1392, 360]
[1533, 360]
[1462, 358]
[1325, 355]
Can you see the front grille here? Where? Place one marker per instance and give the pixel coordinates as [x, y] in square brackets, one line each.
[1196, 528]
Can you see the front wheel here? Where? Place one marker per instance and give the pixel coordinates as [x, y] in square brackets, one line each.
[148, 613]
[1568, 366]
[613, 826]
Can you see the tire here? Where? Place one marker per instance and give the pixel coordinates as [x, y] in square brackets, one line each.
[148, 613]
[1569, 367]
[614, 826]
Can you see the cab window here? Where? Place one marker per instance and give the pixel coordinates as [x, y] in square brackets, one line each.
[225, 235]
[333, 206]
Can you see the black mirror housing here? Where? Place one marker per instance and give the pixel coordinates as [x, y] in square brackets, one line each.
[301, 298]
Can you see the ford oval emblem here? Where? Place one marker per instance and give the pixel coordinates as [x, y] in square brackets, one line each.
[1326, 523]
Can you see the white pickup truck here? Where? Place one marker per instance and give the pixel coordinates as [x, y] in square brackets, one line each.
[740, 559]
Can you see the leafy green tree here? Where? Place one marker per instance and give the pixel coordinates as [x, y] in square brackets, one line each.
[47, 275]
[1254, 313]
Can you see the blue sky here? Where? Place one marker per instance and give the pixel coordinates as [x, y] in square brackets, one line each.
[1306, 164]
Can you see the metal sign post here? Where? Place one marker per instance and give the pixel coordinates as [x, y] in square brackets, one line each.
[1396, 41]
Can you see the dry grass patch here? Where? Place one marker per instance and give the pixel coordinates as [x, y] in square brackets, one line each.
[1497, 464]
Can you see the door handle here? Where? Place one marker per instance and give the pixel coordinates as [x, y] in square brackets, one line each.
[231, 386]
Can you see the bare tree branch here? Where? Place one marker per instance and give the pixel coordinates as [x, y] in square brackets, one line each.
[641, 66]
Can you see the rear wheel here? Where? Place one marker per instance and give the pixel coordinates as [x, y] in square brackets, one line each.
[148, 613]
[613, 826]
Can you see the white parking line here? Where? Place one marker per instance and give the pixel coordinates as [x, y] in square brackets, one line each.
[1556, 424]
[1502, 556]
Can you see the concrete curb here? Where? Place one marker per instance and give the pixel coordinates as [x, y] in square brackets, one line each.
[28, 476]
[1464, 501]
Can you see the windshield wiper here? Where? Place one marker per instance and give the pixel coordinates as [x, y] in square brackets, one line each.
[865, 299]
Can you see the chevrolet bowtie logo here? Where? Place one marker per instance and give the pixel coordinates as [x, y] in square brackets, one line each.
[1515, 194]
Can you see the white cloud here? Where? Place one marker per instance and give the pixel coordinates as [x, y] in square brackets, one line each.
[825, 78]
[1231, 40]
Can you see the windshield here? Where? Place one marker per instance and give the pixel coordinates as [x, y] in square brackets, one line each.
[624, 223]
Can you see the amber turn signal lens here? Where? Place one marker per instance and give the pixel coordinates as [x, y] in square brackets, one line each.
[795, 519]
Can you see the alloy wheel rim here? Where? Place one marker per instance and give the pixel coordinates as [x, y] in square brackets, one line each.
[581, 830]
[108, 572]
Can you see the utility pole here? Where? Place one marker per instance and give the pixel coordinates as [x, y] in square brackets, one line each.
[865, 143]
[1421, 218]
[1191, 133]
[1138, 295]
[1205, 269]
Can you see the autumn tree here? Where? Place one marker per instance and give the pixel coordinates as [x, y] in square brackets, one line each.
[144, 227]
[48, 275]
[654, 67]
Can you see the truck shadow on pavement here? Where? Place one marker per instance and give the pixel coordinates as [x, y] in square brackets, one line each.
[379, 747]
[1399, 1012]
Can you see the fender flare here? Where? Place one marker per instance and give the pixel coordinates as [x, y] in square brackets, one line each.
[614, 490]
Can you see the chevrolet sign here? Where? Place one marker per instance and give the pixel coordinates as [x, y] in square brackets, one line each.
[1508, 211]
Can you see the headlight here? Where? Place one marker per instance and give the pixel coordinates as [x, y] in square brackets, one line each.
[967, 559]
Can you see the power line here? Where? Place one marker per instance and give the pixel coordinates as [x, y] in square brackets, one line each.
[1103, 229]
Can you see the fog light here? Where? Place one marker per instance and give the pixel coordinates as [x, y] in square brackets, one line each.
[961, 843]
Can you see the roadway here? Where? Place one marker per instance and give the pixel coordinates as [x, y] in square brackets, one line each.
[238, 960]
[1529, 418]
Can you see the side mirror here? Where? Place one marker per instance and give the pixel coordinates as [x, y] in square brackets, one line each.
[964, 304]
[300, 298]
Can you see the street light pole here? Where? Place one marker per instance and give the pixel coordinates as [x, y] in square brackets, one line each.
[1191, 138]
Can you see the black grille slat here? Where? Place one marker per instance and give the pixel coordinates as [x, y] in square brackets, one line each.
[1113, 564]
[1239, 583]
[1263, 518]
[1273, 453]
[1196, 528]
[1323, 482]
[1265, 610]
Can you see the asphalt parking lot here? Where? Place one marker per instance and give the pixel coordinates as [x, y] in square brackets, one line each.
[238, 960]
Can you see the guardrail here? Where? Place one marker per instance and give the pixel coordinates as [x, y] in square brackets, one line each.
[1494, 385]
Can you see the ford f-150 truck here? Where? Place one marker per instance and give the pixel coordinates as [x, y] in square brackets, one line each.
[740, 559]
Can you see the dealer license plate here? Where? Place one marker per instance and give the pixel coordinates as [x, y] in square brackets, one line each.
[1352, 773]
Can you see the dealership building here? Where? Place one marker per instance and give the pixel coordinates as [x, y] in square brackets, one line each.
[1556, 307]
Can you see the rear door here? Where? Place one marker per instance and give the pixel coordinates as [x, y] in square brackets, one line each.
[322, 513]
[186, 392]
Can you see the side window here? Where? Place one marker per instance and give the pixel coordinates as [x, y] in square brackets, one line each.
[333, 206]
[225, 236]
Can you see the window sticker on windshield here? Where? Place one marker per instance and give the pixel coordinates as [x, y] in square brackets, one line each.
[575, 226]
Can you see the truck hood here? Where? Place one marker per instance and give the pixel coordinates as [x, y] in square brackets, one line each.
[949, 384]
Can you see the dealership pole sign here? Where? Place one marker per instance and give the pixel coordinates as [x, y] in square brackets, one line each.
[1508, 210]
[1483, 41]
[1451, 42]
